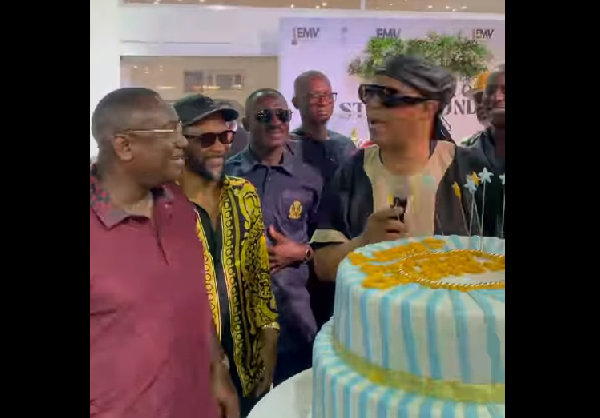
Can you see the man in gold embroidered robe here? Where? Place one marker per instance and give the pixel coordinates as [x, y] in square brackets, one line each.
[231, 227]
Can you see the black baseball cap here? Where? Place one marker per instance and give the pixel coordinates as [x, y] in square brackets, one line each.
[196, 107]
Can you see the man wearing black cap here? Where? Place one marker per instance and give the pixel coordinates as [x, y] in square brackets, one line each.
[230, 225]
[290, 192]
[403, 186]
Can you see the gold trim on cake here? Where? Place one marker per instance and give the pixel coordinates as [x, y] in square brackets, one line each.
[423, 386]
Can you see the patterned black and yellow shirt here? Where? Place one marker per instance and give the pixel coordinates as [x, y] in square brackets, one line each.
[238, 281]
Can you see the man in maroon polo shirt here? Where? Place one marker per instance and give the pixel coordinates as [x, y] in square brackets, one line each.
[153, 349]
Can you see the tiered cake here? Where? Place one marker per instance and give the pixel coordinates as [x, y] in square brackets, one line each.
[418, 332]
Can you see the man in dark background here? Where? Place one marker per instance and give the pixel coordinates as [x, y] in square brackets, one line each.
[323, 149]
[490, 143]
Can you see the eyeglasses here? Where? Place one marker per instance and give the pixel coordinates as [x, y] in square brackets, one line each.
[208, 139]
[317, 97]
[266, 116]
[177, 130]
[387, 96]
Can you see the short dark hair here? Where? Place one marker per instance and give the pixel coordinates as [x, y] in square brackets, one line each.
[256, 94]
[114, 112]
[301, 82]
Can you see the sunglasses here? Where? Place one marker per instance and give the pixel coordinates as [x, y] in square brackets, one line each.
[387, 96]
[208, 139]
[326, 97]
[267, 116]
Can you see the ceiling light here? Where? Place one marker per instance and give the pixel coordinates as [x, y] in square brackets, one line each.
[453, 10]
[291, 6]
[156, 1]
[447, 7]
[430, 7]
[317, 7]
[324, 4]
[463, 7]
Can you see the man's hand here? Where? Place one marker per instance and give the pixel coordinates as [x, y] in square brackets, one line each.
[224, 392]
[268, 357]
[384, 225]
[285, 251]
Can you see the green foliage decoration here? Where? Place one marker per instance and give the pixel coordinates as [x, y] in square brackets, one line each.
[462, 56]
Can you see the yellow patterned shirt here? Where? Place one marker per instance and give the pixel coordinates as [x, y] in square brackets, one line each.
[238, 281]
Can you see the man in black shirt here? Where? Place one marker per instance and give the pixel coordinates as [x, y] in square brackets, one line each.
[491, 144]
[323, 149]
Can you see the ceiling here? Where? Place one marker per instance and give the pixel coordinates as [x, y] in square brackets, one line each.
[473, 6]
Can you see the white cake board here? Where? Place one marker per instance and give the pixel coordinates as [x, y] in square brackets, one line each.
[292, 399]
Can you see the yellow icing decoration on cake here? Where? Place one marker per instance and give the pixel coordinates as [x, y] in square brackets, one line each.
[416, 263]
[424, 386]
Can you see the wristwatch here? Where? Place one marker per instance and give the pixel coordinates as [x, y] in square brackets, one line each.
[308, 256]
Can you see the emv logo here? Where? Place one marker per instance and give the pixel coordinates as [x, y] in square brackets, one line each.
[483, 33]
[388, 32]
[301, 34]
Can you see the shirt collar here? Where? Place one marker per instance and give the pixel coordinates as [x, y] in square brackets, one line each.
[101, 204]
[250, 162]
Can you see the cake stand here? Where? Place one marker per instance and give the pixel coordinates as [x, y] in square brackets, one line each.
[294, 397]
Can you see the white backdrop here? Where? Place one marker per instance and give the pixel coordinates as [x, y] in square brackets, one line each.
[329, 45]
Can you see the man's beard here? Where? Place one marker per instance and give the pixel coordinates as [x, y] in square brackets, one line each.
[200, 169]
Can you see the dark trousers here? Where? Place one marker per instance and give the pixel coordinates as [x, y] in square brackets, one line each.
[246, 403]
[321, 299]
[291, 363]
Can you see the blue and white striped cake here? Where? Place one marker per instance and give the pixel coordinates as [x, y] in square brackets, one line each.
[427, 347]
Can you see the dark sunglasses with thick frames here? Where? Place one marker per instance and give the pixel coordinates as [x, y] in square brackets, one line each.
[387, 96]
[267, 116]
[208, 139]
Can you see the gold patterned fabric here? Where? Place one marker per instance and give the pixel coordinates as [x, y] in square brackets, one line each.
[242, 274]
